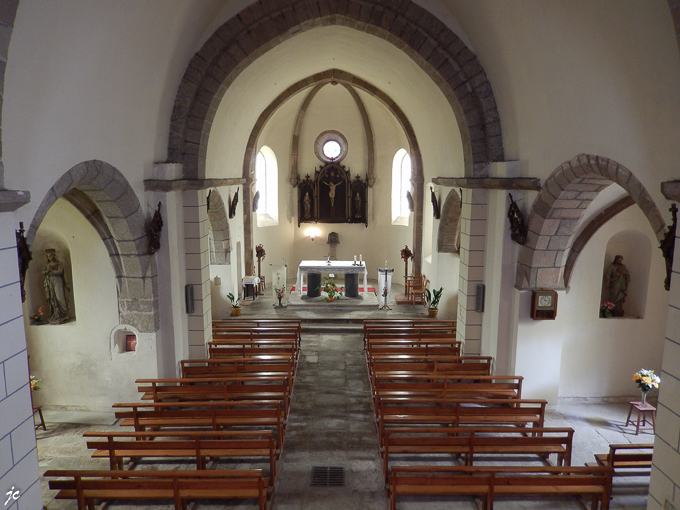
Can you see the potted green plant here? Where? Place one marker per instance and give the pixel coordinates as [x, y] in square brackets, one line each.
[235, 304]
[432, 300]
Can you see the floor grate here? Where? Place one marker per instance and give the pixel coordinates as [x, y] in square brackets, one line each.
[326, 476]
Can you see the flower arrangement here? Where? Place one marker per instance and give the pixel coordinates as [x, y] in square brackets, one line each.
[646, 379]
[280, 293]
[606, 309]
[406, 253]
[259, 252]
[34, 383]
[332, 291]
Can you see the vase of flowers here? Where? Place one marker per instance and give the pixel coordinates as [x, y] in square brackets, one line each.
[34, 383]
[332, 291]
[260, 254]
[406, 254]
[280, 294]
[607, 309]
[646, 380]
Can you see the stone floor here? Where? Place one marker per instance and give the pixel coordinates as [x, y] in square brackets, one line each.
[331, 424]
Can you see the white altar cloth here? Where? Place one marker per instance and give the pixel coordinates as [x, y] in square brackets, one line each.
[335, 266]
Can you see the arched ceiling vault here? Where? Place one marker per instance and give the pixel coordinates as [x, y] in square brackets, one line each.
[423, 41]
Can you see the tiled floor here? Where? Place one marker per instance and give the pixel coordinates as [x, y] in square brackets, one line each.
[331, 424]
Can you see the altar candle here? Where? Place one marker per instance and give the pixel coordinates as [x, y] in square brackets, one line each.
[360, 259]
[355, 258]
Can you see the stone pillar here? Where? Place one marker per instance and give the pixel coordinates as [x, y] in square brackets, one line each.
[472, 255]
[664, 486]
[18, 451]
[197, 259]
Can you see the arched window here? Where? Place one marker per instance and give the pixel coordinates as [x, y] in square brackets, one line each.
[401, 183]
[266, 184]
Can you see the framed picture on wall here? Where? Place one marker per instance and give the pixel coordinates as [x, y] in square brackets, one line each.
[544, 305]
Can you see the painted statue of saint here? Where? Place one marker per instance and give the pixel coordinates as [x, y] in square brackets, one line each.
[55, 288]
[616, 279]
[307, 203]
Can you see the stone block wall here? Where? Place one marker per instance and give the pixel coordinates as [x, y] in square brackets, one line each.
[18, 451]
[197, 253]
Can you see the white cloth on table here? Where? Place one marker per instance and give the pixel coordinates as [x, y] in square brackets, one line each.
[335, 266]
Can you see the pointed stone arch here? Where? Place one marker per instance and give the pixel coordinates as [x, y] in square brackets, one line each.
[264, 24]
[448, 236]
[103, 195]
[558, 209]
[220, 248]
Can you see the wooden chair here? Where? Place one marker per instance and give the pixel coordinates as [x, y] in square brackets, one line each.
[418, 291]
[409, 282]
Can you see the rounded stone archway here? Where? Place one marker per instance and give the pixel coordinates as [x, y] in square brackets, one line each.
[256, 29]
[557, 210]
[103, 195]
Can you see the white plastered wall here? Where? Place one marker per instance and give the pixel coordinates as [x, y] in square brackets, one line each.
[579, 355]
[79, 362]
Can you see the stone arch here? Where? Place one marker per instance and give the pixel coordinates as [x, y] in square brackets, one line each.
[350, 81]
[557, 210]
[448, 236]
[103, 195]
[263, 24]
[220, 249]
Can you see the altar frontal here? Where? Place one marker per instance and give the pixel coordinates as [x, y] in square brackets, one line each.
[320, 267]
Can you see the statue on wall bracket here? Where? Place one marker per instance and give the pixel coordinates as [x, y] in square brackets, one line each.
[332, 197]
[668, 246]
[25, 256]
[518, 230]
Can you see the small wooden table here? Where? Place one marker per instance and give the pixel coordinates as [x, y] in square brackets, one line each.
[642, 410]
[252, 283]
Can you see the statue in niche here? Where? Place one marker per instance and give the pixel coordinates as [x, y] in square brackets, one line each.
[617, 278]
[331, 192]
[307, 204]
[357, 205]
[54, 284]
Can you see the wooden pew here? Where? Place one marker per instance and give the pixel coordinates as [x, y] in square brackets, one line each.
[194, 444]
[218, 388]
[256, 334]
[406, 338]
[394, 412]
[445, 386]
[421, 443]
[445, 365]
[206, 415]
[295, 324]
[86, 487]
[628, 459]
[394, 347]
[218, 367]
[436, 329]
[490, 482]
[245, 349]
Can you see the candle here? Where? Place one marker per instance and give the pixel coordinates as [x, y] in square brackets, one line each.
[355, 258]
[360, 259]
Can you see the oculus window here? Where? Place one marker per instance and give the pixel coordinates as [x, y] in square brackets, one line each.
[401, 183]
[330, 147]
[266, 184]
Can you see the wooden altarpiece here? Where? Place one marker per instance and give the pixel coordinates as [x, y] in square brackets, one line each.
[332, 197]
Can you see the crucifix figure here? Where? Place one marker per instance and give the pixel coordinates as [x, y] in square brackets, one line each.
[331, 193]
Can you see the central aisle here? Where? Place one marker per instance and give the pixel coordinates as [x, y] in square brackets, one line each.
[331, 424]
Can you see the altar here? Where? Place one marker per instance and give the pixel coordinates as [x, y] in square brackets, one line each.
[307, 267]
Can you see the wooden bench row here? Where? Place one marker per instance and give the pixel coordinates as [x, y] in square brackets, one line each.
[421, 444]
[200, 446]
[491, 482]
[217, 367]
[233, 388]
[88, 487]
